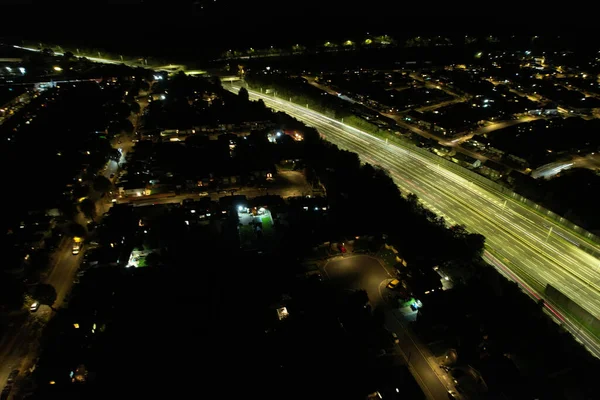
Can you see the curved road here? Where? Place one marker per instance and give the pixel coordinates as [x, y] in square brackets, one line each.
[519, 238]
[368, 273]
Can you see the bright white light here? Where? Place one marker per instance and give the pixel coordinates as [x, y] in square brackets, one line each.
[22, 70]
[9, 69]
[162, 97]
[240, 208]
[278, 134]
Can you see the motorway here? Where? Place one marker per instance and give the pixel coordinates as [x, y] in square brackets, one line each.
[532, 248]
[365, 272]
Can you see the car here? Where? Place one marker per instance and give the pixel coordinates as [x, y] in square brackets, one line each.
[395, 337]
[452, 394]
[12, 376]
[393, 284]
[76, 280]
[34, 306]
[203, 194]
[76, 248]
[81, 273]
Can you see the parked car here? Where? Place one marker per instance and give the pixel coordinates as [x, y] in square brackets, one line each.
[393, 284]
[12, 376]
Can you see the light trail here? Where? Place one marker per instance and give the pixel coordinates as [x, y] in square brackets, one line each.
[526, 250]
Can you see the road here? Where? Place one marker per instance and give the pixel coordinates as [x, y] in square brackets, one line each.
[13, 106]
[365, 272]
[494, 127]
[19, 344]
[294, 189]
[519, 237]
[18, 347]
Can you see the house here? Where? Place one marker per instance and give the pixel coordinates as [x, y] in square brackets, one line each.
[442, 150]
[132, 188]
[493, 170]
[466, 161]
[420, 281]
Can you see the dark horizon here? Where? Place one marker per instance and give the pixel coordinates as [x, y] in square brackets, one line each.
[204, 29]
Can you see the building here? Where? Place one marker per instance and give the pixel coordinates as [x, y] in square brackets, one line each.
[493, 170]
[442, 150]
[466, 161]
[127, 189]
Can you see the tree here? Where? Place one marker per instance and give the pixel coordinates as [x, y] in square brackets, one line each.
[102, 184]
[45, 294]
[88, 208]
[243, 94]
[475, 244]
[11, 292]
[153, 259]
[76, 230]
[39, 260]
[135, 107]
[67, 208]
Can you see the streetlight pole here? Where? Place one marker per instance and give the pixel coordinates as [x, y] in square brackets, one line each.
[549, 233]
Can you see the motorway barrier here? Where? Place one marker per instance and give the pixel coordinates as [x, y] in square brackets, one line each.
[583, 318]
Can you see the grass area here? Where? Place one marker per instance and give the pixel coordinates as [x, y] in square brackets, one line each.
[246, 234]
[142, 262]
[267, 224]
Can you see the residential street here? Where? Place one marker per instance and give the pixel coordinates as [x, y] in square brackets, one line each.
[19, 345]
[366, 272]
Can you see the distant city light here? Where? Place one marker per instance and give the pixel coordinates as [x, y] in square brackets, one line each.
[22, 70]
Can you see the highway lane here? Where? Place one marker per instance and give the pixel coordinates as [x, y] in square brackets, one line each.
[520, 237]
[365, 272]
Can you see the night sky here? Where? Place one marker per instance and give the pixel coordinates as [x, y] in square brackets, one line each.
[207, 27]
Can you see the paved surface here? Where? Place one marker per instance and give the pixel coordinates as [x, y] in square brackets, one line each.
[365, 272]
[519, 237]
